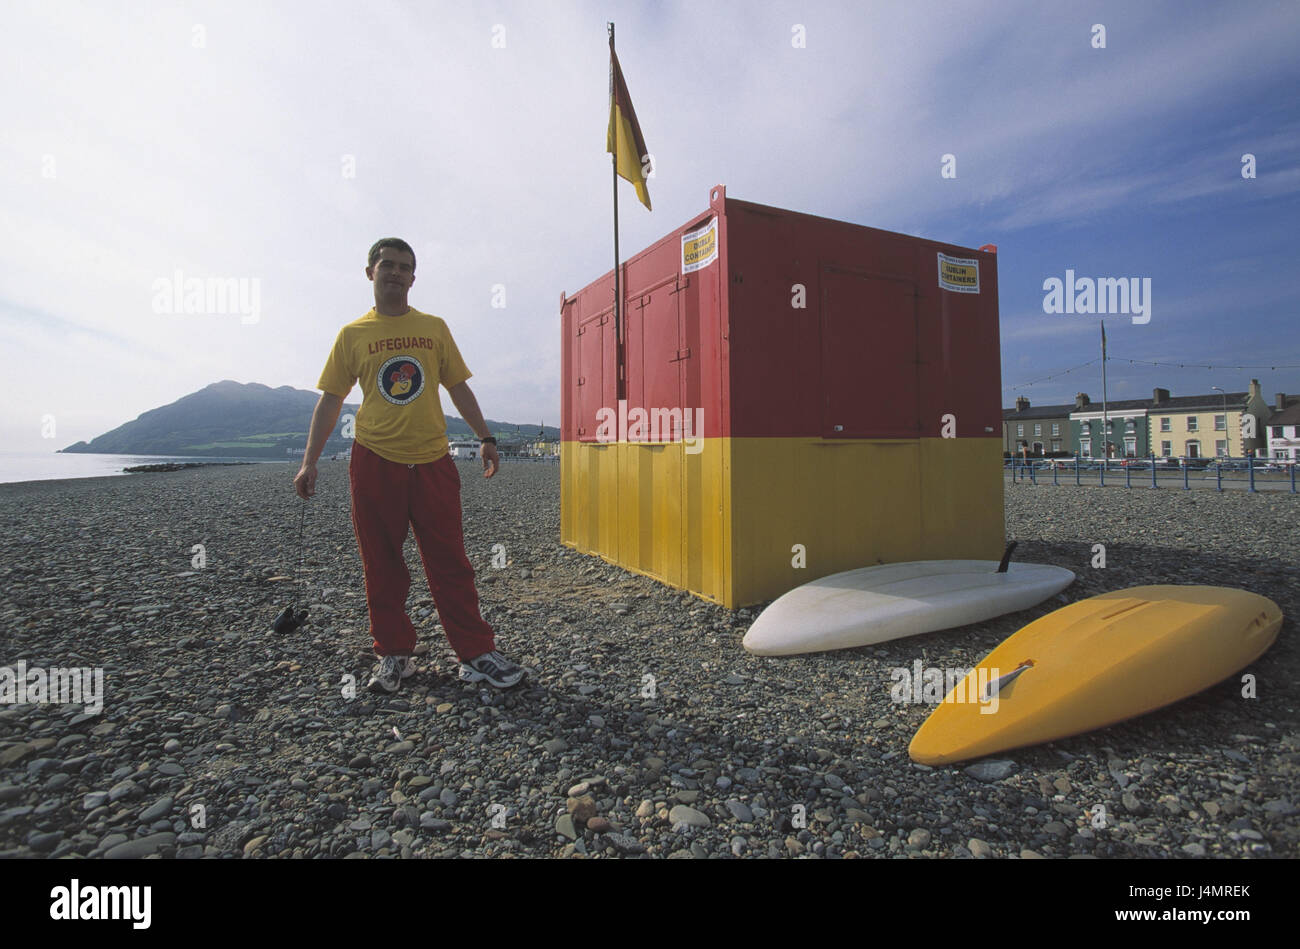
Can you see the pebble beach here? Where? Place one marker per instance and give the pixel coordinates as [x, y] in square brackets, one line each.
[644, 729]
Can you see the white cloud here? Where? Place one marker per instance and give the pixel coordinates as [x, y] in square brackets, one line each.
[227, 160]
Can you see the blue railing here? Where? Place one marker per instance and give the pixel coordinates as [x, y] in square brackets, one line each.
[1249, 471]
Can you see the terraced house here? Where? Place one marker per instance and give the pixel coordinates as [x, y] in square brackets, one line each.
[1200, 426]
[1190, 426]
[1044, 428]
[1126, 428]
[1284, 429]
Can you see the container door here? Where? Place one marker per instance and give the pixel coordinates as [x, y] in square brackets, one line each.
[651, 520]
[654, 363]
[594, 351]
[869, 358]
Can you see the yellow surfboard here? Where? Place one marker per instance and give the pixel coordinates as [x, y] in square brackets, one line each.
[1097, 662]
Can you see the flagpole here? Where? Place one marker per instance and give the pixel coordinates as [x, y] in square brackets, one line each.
[1105, 424]
[618, 294]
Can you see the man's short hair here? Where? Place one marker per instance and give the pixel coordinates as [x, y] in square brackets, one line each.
[395, 242]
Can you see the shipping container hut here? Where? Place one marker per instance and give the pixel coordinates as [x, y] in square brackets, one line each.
[837, 390]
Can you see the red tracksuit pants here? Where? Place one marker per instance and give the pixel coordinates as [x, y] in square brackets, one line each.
[387, 497]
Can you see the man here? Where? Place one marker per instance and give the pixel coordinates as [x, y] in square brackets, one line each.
[402, 474]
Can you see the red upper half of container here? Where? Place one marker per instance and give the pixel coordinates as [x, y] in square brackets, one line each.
[796, 326]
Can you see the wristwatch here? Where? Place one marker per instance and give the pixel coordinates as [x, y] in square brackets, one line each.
[489, 440]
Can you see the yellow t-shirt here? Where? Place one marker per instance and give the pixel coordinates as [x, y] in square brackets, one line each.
[400, 360]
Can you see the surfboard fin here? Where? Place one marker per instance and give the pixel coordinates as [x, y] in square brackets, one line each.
[1006, 557]
[996, 686]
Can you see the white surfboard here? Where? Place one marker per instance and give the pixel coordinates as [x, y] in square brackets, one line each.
[891, 601]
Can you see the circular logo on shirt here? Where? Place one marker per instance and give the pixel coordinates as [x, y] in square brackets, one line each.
[401, 379]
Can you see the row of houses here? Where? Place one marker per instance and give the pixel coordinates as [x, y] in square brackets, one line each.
[1192, 426]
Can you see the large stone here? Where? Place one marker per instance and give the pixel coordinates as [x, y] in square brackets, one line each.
[140, 847]
[740, 811]
[123, 789]
[688, 816]
[94, 799]
[992, 770]
[160, 808]
[582, 808]
[624, 843]
[15, 753]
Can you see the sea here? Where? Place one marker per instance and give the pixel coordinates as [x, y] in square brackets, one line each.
[55, 466]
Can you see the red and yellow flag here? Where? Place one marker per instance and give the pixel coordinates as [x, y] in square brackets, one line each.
[624, 136]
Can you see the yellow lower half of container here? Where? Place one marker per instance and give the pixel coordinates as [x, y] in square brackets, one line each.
[742, 520]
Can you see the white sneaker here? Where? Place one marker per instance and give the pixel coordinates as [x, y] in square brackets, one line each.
[392, 670]
[494, 668]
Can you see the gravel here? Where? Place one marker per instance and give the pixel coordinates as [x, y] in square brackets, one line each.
[221, 739]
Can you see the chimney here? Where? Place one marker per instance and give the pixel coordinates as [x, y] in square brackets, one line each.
[1255, 391]
[1159, 396]
[1280, 400]
[1021, 403]
[1080, 400]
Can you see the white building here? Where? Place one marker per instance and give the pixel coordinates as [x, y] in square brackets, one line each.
[1283, 430]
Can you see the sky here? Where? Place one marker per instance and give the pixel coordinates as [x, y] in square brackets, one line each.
[272, 144]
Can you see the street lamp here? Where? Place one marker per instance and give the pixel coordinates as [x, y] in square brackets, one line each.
[1227, 440]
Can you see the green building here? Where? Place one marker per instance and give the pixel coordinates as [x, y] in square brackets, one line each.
[1126, 428]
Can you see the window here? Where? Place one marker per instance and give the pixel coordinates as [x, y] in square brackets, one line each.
[1282, 454]
[1130, 447]
[1220, 423]
[1166, 449]
[1085, 449]
[1166, 424]
[1130, 425]
[1038, 429]
[1193, 449]
[1020, 431]
[1277, 431]
[1056, 428]
[1086, 428]
[1056, 444]
[1192, 423]
[1221, 448]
